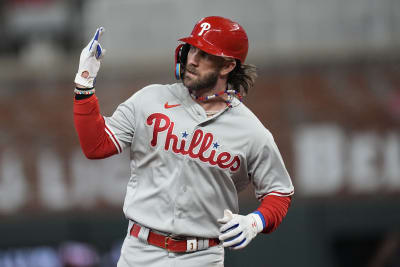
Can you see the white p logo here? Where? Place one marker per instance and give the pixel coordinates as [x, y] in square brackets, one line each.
[204, 27]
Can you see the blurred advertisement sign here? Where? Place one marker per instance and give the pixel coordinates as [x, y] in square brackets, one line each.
[87, 184]
[329, 161]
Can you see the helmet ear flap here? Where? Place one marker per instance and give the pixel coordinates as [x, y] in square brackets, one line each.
[180, 59]
[178, 71]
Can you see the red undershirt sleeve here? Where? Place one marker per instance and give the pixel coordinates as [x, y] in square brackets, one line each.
[273, 209]
[96, 143]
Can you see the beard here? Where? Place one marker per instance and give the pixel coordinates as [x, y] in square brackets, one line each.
[199, 83]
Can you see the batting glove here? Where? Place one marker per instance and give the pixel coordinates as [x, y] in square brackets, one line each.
[237, 230]
[89, 62]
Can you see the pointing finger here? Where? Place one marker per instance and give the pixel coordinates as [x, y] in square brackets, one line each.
[93, 48]
[97, 35]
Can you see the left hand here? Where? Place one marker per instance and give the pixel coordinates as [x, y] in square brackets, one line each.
[237, 230]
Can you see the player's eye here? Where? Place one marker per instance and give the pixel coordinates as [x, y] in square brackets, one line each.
[192, 49]
[204, 54]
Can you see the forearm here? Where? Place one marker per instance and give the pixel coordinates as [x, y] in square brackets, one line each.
[95, 141]
[273, 209]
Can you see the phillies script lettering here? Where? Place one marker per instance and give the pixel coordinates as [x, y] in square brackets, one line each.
[200, 142]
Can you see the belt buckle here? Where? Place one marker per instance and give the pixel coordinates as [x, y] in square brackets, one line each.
[166, 242]
[168, 238]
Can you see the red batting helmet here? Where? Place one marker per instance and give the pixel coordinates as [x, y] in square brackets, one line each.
[217, 36]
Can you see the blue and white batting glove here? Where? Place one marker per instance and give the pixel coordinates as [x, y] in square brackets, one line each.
[89, 62]
[238, 230]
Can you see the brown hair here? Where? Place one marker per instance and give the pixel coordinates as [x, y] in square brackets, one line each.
[242, 77]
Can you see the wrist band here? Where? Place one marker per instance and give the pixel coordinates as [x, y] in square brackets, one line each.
[261, 217]
[84, 92]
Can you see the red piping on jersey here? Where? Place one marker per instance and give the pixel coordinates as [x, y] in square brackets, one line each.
[276, 193]
[91, 129]
[116, 143]
[274, 209]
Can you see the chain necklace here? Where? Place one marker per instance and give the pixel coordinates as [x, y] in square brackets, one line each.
[229, 92]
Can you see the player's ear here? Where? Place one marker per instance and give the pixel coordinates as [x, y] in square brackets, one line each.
[228, 66]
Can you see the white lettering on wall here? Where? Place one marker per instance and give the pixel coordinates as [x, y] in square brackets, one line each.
[85, 178]
[53, 191]
[319, 159]
[363, 165]
[91, 182]
[391, 162]
[14, 191]
[328, 161]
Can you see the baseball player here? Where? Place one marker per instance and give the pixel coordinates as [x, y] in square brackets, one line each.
[194, 145]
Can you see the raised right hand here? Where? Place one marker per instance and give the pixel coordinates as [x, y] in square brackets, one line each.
[89, 62]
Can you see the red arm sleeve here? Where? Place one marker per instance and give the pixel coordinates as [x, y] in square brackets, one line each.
[274, 209]
[96, 139]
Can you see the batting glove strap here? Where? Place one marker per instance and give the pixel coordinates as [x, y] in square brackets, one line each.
[261, 217]
[89, 61]
[238, 230]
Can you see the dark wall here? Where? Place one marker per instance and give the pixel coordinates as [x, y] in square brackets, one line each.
[351, 232]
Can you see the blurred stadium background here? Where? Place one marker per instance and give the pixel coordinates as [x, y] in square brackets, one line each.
[328, 90]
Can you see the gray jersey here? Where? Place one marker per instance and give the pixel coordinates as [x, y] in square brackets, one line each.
[186, 168]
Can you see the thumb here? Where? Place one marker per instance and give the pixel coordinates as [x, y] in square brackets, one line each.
[228, 215]
[103, 52]
[100, 52]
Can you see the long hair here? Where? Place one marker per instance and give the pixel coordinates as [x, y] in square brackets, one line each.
[242, 77]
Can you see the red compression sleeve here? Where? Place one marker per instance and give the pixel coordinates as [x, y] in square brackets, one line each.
[96, 143]
[274, 209]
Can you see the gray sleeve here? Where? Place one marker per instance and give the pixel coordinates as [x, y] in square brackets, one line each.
[267, 169]
[122, 123]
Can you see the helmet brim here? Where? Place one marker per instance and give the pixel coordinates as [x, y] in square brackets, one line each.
[205, 46]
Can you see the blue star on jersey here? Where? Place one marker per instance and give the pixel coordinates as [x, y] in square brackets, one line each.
[185, 134]
[215, 145]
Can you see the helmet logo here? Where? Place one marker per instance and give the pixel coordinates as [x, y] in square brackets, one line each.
[204, 27]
